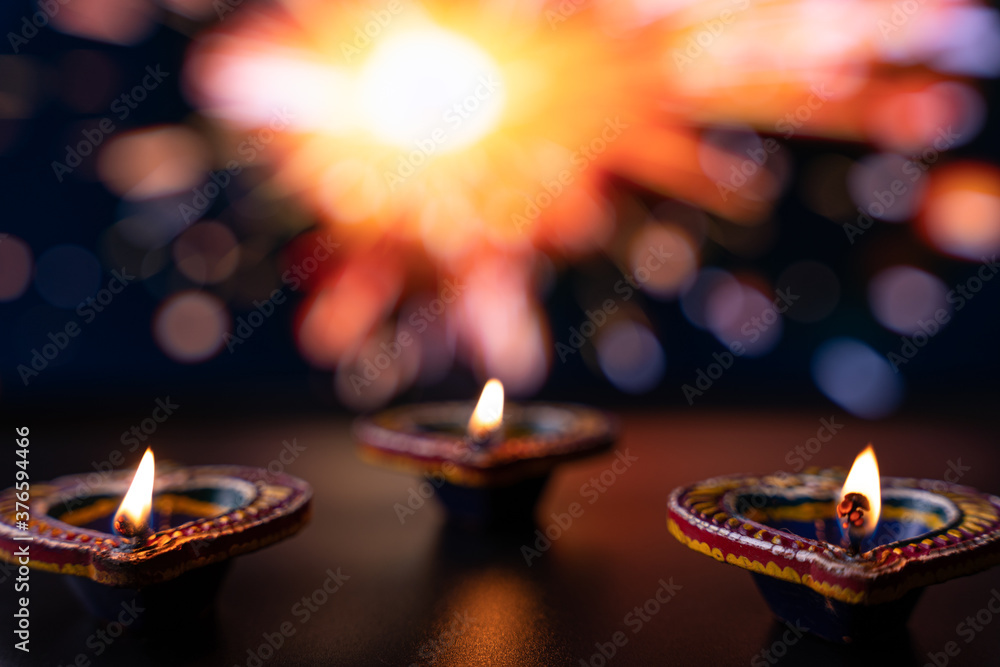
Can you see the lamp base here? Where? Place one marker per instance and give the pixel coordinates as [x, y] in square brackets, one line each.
[834, 620]
[510, 507]
[171, 604]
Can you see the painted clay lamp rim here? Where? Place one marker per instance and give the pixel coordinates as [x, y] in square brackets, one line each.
[701, 517]
[543, 436]
[272, 508]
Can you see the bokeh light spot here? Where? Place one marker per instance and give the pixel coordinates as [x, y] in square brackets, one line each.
[194, 9]
[114, 21]
[189, 326]
[662, 260]
[694, 302]
[886, 186]
[739, 313]
[207, 253]
[15, 267]
[153, 162]
[962, 210]
[630, 356]
[857, 378]
[903, 297]
[19, 86]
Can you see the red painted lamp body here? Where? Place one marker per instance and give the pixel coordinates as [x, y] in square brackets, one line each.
[785, 531]
[202, 518]
[494, 484]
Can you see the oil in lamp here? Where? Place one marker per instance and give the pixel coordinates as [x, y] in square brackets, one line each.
[163, 541]
[846, 558]
[489, 463]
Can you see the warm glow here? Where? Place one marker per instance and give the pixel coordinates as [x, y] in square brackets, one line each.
[961, 215]
[132, 518]
[864, 479]
[430, 89]
[488, 415]
[475, 139]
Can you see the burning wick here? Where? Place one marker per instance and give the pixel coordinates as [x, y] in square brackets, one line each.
[487, 418]
[851, 511]
[132, 517]
[860, 501]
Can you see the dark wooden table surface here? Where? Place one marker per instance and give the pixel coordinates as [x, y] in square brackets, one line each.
[415, 592]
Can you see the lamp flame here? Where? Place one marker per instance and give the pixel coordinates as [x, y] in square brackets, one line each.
[132, 517]
[488, 416]
[861, 498]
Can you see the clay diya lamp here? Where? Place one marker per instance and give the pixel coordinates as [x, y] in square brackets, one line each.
[165, 546]
[487, 464]
[847, 559]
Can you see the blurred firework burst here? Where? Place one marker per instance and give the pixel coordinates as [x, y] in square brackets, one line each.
[456, 149]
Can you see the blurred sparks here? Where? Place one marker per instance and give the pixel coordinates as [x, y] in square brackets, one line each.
[458, 152]
[465, 141]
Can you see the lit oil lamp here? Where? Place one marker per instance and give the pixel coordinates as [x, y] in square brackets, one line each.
[846, 559]
[488, 464]
[169, 542]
